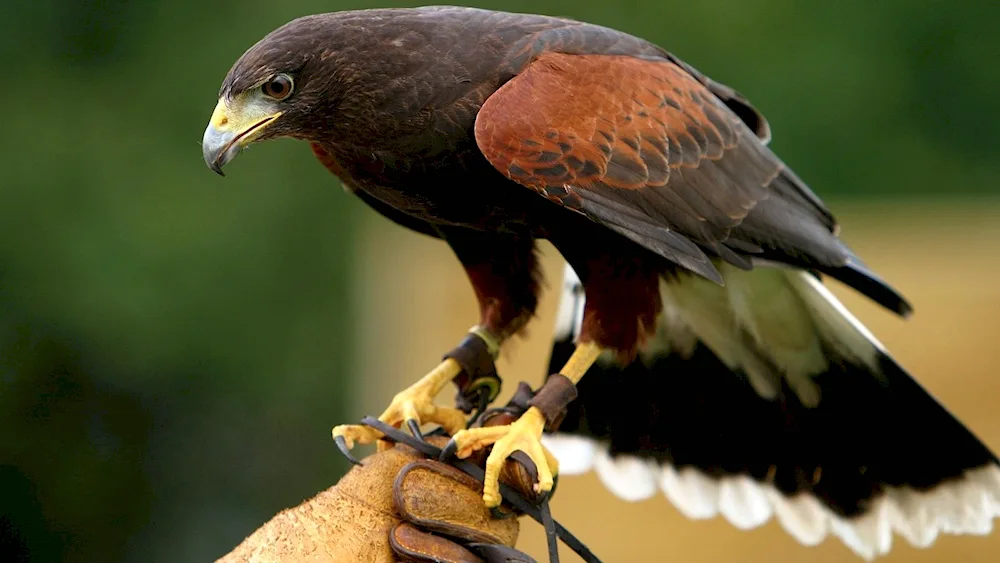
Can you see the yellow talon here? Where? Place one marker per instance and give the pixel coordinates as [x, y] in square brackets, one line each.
[356, 434]
[413, 403]
[523, 435]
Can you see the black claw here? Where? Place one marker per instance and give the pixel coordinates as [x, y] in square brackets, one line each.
[415, 429]
[439, 431]
[484, 401]
[449, 451]
[342, 446]
[500, 514]
[527, 463]
[543, 497]
[373, 422]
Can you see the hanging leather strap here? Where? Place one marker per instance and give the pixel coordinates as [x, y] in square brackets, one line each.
[478, 383]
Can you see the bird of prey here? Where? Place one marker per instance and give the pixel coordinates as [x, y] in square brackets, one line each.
[722, 370]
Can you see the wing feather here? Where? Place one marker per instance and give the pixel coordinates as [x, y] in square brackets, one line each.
[675, 162]
[648, 150]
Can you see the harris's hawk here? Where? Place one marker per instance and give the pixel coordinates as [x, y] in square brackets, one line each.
[722, 371]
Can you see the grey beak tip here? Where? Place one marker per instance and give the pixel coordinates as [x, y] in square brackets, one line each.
[218, 149]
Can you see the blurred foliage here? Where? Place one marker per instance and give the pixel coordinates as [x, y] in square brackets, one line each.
[174, 347]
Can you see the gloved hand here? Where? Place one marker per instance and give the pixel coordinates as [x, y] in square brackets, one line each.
[398, 507]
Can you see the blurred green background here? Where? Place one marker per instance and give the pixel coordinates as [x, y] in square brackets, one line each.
[175, 347]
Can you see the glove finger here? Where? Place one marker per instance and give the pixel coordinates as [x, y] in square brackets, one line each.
[417, 546]
[442, 499]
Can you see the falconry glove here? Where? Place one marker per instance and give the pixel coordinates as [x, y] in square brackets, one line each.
[398, 506]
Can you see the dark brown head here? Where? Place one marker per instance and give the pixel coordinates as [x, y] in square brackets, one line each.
[287, 85]
[362, 77]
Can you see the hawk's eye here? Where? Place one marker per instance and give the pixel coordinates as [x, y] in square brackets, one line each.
[279, 87]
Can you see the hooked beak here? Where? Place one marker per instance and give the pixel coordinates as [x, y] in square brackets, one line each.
[231, 129]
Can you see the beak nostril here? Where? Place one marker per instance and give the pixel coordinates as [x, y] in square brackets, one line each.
[220, 144]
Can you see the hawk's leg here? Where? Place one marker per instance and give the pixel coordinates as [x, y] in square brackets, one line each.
[524, 434]
[503, 271]
[622, 302]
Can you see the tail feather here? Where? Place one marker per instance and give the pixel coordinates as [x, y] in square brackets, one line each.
[868, 454]
[856, 275]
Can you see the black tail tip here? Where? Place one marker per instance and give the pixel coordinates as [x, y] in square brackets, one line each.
[856, 275]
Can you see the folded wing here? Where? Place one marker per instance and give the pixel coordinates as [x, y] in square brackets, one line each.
[644, 148]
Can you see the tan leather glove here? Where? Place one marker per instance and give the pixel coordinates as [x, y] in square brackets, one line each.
[398, 506]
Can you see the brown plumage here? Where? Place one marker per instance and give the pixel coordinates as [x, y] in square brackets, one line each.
[440, 117]
[692, 241]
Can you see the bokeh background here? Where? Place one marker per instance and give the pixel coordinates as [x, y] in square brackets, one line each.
[175, 347]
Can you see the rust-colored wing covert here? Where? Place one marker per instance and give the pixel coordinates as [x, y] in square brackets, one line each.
[643, 148]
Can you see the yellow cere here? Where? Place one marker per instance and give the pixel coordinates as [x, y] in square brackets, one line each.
[220, 117]
[242, 114]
